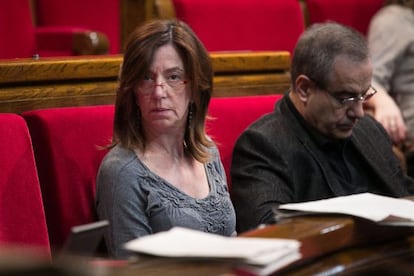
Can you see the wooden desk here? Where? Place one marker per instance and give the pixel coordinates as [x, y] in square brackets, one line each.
[330, 244]
[340, 243]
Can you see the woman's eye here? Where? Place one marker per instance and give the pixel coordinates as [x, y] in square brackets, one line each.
[174, 77]
[146, 77]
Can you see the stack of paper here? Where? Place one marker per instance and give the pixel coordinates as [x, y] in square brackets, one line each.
[380, 209]
[259, 256]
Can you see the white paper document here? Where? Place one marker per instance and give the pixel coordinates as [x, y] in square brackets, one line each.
[377, 208]
[186, 243]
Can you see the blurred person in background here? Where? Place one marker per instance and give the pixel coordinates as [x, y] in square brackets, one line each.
[391, 44]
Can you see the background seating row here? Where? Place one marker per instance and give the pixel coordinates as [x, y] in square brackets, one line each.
[68, 145]
[234, 25]
[22, 38]
[263, 25]
[353, 13]
[73, 27]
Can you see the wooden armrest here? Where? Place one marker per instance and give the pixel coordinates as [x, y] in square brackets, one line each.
[90, 43]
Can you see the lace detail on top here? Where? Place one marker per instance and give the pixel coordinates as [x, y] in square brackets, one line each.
[138, 202]
[168, 206]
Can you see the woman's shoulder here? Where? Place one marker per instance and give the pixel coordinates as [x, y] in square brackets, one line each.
[213, 151]
[119, 154]
[117, 158]
[121, 165]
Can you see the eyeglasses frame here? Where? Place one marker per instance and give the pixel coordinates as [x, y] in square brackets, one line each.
[350, 100]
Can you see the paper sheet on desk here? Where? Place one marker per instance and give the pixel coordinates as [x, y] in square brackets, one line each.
[381, 209]
[186, 243]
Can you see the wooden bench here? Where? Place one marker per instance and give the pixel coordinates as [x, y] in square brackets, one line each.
[27, 84]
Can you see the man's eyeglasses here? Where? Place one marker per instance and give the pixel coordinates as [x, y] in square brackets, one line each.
[344, 100]
[350, 100]
[174, 81]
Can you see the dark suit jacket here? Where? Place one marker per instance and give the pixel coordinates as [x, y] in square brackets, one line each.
[276, 161]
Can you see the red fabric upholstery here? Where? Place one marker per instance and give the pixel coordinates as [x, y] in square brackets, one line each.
[230, 116]
[22, 217]
[354, 13]
[67, 143]
[56, 41]
[17, 33]
[226, 25]
[99, 15]
[21, 39]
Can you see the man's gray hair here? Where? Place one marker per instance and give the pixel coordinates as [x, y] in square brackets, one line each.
[318, 47]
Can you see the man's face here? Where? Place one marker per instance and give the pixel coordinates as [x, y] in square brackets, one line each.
[335, 109]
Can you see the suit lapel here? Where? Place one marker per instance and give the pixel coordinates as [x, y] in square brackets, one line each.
[313, 150]
[370, 152]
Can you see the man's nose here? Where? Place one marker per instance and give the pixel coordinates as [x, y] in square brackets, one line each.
[357, 110]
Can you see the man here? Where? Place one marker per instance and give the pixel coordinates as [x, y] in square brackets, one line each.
[317, 143]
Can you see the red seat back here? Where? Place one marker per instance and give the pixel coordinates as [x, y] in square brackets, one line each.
[22, 217]
[99, 15]
[353, 13]
[230, 116]
[228, 25]
[17, 33]
[68, 148]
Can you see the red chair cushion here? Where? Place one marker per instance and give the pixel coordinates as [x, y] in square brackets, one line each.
[227, 25]
[230, 116]
[22, 217]
[17, 32]
[68, 148]
[354, 13]
[101, 15]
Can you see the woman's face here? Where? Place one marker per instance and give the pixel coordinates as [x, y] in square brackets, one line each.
[162, 94]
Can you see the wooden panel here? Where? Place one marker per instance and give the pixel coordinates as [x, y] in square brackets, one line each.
[27, 84]
[133, 13]
[19, 71]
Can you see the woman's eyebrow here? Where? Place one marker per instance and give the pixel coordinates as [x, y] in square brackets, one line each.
[174, 69]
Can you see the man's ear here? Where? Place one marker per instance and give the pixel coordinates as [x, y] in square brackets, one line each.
[304, 86]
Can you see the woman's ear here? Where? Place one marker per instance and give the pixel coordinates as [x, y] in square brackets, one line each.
[304, 86]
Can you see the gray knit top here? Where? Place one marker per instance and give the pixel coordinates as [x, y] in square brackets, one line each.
[138, 202]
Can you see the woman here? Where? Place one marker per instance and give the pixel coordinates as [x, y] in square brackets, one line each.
[391, 43]
[162, 169]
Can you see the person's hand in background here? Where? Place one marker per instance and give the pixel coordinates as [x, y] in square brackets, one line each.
[385, 110]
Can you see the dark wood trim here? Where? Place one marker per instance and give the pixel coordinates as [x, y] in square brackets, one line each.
[27, 84]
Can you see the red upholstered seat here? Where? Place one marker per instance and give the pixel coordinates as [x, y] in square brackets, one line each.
[68, 148]
[99, 15]
[17, 32]
[22, 217]
[227, 25]
[354, 13]
[230, 116]
[20, 38]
